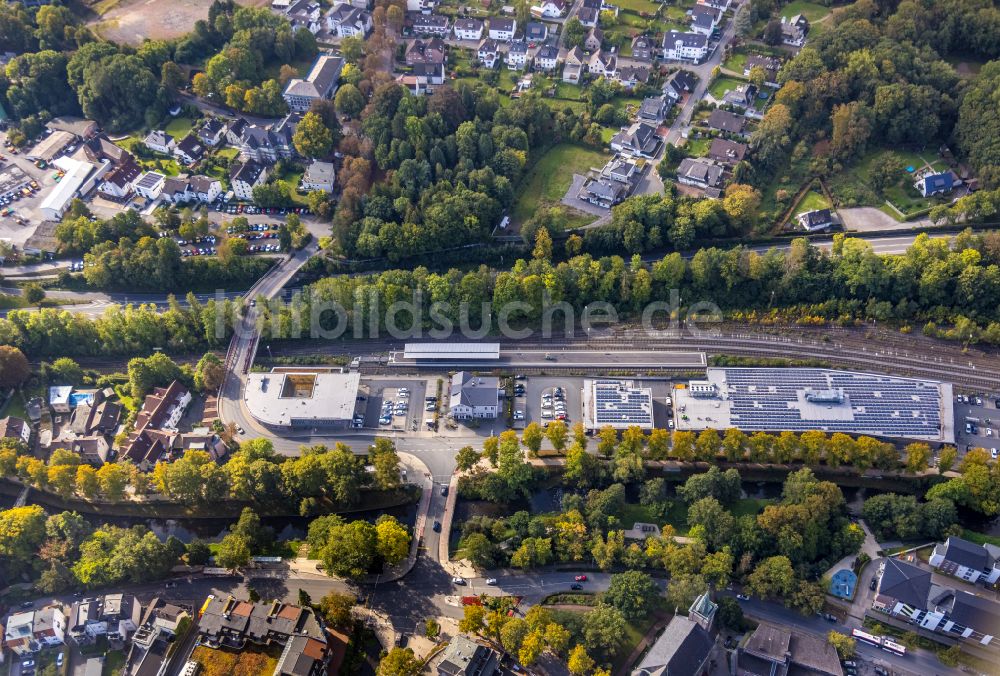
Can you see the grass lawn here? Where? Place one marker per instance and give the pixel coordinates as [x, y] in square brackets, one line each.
[810, 10]
[722, 85]
[737, 61]
[15, 406]
[228, 152]
[247, 662]
[113, 663]
[179, 127]
[811, 201]
[698, 147]
[550, 178]
[639, 5]
[751, 506]
[566, 90]
[607, 133]
[980, 538]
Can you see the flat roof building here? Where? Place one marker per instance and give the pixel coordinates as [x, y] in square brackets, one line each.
[618, 404]
[71, 186]
[804, 399]
[297, 398]
[442, 351]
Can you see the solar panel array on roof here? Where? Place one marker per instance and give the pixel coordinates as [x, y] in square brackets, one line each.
[615, 403]
[784, 399]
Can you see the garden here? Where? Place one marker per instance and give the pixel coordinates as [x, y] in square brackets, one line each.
[549, 179]
[246, 662]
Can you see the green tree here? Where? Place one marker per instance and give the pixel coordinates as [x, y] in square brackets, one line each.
[349, 100]
[579, 662]
[65, 371]
[557, 433]
[467, 458]
[399, 662]
[393, 540]
[843, 644]
[209, 373]
[946, 458]
[198, 552]
[234, 552]
[730, 614]
[532, 436]
[34, 293]
[773, 577]
[336, 608]
[312, 138]
[604, 628]
[633, 593]
[682, 590]
[14, 368]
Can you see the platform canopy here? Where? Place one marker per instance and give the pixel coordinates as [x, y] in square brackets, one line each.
[451, 351]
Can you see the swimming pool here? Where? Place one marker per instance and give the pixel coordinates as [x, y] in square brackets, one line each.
[78, 398]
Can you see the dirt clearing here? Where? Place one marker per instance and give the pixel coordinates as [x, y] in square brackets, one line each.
[132, 21]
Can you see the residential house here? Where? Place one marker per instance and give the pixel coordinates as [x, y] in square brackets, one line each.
[183, 189]
[536, 31]
[721, 5]
[594, 39]
[100, 149]
[488, 53]
[15, 428]
[189, 149]
[930, 184]
[319, 176]
[548, 9]
[621, 169]
[347, 21]
[589, 16]
[517, 56]
[473, 396]
[547, 58]
[726, 152]
[502, 28]
[684, 646]
[118, 182]
[234, 130]
[233, 624]
[632, 76]
[794, 30]
[245, 176]
[468, 29]
[160, 141]
[268, 145]
[743, 96]
[770, 64]
[680, 83]
[421, 6]
[465, 657]
[654, 109]
[723, 120]
[320, 83]
[704, 19]
[156, 425]
[573, 68]
[28, 632]
[149, 185]
[776, 650]
[699, 172]
[818, 219]
[305, 15]
[97, 415]
[684, 46]
[115, 616]
[428, 24]
[603, 64]
[967, 560]
[425, 51]
[159, 618]
[902, 588]
[603, 192]
[642, 48]
[59, 398]
[639, 140]
[212, 133]
[93, 450]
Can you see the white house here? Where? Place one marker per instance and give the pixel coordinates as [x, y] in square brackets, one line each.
[212, 132]
[14, 428]
[549, 9]
[721, 5]
[684, 46]
[160, 141]
[118, 182]
[247, 176]
[502, 28]
[468, 29]
[150, 184]
[189, 149]
[33, 630]
[305, 14]
[547, 58]
[704, 19]
[794, 30]
[422, 6]
[699, 172]
[573, 68]
[113, 615]
[517, 56]
[603, 63]
[935, 183]
[59, 398]
[347, 21]
[967, 560]
[488, 53]
[817, 219]
[319, 176]
[474, 396]
[180, 189]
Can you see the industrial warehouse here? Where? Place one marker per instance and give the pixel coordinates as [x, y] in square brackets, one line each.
[290, 398]
[802, 399]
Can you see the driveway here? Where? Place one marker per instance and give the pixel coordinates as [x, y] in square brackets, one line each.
[870, 219]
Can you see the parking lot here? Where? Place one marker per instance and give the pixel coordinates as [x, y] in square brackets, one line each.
[536, 386]
[977, 424]
[380, 391]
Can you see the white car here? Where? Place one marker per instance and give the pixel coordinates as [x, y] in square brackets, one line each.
[546, 414]
[457, 580]
[743, 597]
[491, 580]
[59, 660]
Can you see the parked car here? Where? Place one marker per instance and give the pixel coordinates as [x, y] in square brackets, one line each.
[491, 581]
[580, 578]
[576, 586]
[437, 526]
[59, 660]
[444, 491]
[743, 597]
[457, 580]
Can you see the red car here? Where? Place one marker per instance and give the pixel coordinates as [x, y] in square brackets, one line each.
[580, 578]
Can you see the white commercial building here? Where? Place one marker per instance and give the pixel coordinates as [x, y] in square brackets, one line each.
[619, 404]
[72, 185]
[319, 176]
[302, 398]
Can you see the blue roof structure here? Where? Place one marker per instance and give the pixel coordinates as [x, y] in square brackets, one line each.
[935, 183]
[843, 583]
